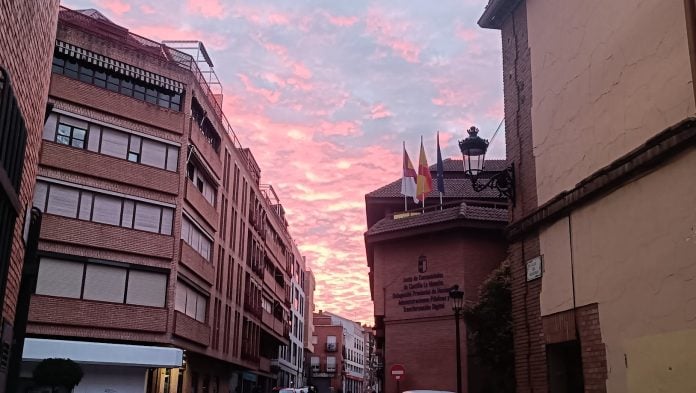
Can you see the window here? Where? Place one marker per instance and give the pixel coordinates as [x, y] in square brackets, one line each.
[91, 281]
[71, 136]
[330, 364]
[191, 302]
[78, 133]
[201, 182]
[108, 209]
[196, 238]
[134, 148]
[115, 82]
[314, 362]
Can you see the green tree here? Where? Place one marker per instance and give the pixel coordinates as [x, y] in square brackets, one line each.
[63, 373]
[490, 325]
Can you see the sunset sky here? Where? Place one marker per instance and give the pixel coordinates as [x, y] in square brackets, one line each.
[324, 93]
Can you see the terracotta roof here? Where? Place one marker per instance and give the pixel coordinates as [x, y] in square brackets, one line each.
[463, 211]
[451, 165]
[455, 187]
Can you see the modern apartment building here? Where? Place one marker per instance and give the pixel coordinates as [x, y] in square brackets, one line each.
[338, 363]
[599, 114]
[415, 258]
[164, 261]
[27, 32]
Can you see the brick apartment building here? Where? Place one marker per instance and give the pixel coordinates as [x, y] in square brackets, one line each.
[415, 258]
[157, 233]
[290, 364]
[27, 32]
[309, 348]
[599, 114]
[338, 362]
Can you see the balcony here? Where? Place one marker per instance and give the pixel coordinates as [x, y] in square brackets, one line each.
[196, 263]
[109, 168]
[105, 100]
[330, 369]
[191, 329]
[330, 347]
[279, 327]
[208, 153]
[264, 364]
[251, 308]
[103, 236]
[98, 315]
[201, 205]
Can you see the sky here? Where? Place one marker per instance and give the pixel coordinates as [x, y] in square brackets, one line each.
[325, 92]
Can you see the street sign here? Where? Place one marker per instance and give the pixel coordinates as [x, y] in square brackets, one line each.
[397, 371]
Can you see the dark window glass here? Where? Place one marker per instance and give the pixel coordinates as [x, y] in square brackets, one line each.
[135, 157]
[139, 91]
[71, 69]
[127, 87]
[58, 65]
[86, 74]
[175, 107]
[112, 83]
[151, 95]
[176, 98]
[199, 184]
[190, 171]
[100, 78]
[164, 100]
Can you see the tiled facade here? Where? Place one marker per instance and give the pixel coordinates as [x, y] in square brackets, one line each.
[141, 177]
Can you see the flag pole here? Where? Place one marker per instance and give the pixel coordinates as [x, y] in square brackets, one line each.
[405, 203]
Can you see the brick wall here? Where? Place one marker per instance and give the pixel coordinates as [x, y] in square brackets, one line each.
[81, 93]
[191, 329]
[108, 168]
[529, 346]
[76, 312]
[103, 236]
[424, 341]
[27, 31]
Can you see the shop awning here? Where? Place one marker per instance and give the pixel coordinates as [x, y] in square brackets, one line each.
[37, 349]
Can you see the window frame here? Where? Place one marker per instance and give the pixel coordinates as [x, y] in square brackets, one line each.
[120, 265]
[71, 135]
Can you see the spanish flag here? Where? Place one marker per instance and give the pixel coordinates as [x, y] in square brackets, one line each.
[425, 179]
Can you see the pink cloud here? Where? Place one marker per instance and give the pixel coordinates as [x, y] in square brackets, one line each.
[467, 34]
[206, 8]
[390, 32]
[379, 111]
[118, 7]
[147, 9]
[269, 95]
[164, 32]
[342, 21]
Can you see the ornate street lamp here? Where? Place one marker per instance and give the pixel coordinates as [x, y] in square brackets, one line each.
[457, 298]
[474, 152]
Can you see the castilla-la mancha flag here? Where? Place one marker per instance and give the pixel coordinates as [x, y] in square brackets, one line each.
[408, 181]
[425, 180]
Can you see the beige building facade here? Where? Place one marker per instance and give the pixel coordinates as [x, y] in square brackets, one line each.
[599, 105]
